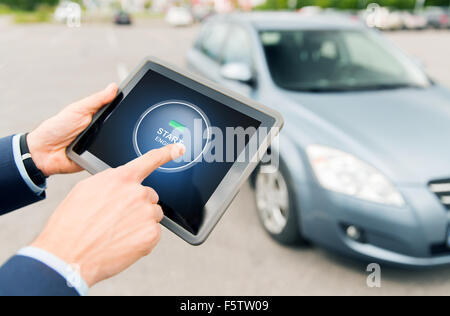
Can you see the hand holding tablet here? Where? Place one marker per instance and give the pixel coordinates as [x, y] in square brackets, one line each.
[118, 225]
[168, 148]
[224, 134]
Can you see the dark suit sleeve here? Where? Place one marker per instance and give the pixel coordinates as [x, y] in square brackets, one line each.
[14, 192]
[24, 276]
[21, 275]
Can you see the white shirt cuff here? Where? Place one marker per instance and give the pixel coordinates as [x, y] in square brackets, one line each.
[23, 172]
[68, 272]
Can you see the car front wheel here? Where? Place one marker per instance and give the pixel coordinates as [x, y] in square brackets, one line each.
[276, 205]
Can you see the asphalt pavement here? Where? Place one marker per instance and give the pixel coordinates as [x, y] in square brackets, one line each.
[45, 67]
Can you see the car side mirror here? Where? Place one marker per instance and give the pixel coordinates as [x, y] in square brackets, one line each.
[237, 72]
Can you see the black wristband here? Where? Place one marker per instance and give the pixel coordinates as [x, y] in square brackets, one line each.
[36, 175]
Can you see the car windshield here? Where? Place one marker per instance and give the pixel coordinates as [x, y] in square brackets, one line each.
[337, 60]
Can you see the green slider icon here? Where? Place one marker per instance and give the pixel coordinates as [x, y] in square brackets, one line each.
[177, 126]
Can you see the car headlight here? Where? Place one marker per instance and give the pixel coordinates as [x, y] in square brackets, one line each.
[344, 173]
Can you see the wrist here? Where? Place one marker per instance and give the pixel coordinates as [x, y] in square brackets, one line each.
[37, 153]
[33, 172]
[86, 269]
[69, 272]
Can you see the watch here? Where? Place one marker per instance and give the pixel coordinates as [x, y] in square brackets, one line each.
[36, 175]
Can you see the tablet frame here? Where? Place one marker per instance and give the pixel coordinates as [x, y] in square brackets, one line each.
[231, 184]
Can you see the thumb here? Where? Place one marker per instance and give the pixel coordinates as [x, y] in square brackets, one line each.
[143, 166]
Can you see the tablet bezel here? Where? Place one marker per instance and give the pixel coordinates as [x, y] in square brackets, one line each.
[230, 186]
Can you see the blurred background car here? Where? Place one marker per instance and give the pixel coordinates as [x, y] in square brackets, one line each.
[412, 21]
[310, 10]
[364, 168]
[179, 16]
[122, 18]
[437, 17]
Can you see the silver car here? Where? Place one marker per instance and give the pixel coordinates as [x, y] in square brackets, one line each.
[365, 154]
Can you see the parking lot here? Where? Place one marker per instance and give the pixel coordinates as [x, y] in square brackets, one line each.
[45, 67]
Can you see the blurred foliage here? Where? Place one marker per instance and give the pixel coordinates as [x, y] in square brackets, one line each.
[28, 5]
[346, 4]
[148, 4]
[4, 9]
[274, 5]
[24, 11]
[400, 4]
[43, 13]
[438, 3]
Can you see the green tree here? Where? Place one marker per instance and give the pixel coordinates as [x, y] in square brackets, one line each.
[28, 5]
[441, 3]
[305, 3]
[350, 4]
[325, 3]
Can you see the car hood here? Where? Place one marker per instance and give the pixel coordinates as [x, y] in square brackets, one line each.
[406, 130]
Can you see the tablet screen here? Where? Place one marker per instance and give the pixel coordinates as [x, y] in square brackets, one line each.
[161, 111]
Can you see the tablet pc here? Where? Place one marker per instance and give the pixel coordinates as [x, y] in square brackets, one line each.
[225, 137]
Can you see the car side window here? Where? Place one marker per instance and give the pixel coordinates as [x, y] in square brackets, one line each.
[237, 48]
[212, 40]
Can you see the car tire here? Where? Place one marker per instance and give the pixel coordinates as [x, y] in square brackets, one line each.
[287, 231]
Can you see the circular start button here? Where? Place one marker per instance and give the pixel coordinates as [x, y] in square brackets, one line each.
[172, 122]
